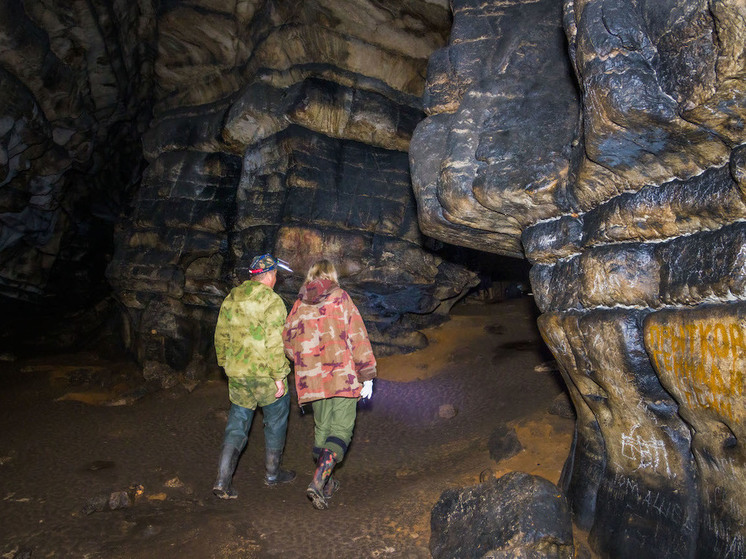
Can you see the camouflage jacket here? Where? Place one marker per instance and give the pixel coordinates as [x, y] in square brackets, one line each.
[248, 343]
[325, 337]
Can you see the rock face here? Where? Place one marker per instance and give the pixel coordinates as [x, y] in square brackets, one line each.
[603, 140]
[631, 210]
[293, 141]
[494, 156]
[250, 126]
[74, 101]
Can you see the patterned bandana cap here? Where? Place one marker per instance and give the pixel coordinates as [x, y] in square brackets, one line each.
[267, 262]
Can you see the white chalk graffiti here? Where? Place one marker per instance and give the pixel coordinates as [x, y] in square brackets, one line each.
[646, 453]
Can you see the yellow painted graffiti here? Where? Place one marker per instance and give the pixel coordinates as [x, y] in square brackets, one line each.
[703, 358]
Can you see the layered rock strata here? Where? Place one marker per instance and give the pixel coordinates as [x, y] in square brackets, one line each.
[494, 155]
[636, 235]
[282, 127]
[74, 101]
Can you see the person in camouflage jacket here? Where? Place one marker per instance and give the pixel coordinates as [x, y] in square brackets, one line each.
[326, 339]
[248, 345]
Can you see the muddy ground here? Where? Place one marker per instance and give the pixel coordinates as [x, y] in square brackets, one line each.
[68, 456]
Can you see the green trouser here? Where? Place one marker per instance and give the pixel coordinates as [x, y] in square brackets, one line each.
[334, 420]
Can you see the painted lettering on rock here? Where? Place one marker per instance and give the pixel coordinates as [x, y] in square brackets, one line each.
[702, 357]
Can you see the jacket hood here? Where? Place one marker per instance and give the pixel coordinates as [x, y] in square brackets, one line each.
[316, 291]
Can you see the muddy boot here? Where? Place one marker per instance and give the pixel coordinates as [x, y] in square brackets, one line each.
[333, 484]
[323, 472]
[274, 473]
[331, 487]
[223, 488]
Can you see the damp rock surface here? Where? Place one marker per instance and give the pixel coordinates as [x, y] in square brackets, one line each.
[150, 151]
[632, 217]
[517, 515]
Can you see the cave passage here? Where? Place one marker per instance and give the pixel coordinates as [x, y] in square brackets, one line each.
[96, 462]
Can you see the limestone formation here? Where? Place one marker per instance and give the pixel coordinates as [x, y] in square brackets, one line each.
[75, 98]
[295, 142]
[632, 214]
[494, 156]
[272, 126]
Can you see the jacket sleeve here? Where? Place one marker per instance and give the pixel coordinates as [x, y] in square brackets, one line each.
[275, 317]
[362, 352]
[287, 332]
[222, 333]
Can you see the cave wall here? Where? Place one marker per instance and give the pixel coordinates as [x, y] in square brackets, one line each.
[630, 207]
[600, 139]
[75, 98]
[166, 143]
[281, 127]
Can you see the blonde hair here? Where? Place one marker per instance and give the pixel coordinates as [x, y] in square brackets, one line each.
[322, 269]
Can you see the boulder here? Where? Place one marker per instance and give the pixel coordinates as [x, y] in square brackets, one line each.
[517, 515]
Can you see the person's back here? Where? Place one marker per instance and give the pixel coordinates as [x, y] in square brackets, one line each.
[325, 337]
[329, 342]
[248, 340]
[248, 345]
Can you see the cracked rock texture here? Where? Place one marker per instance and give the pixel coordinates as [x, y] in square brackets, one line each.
[629, 203]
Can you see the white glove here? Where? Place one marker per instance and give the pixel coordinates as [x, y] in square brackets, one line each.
[367, 390]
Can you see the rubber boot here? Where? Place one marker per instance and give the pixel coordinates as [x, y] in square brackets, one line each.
[223, 488]
[321, 476]
[274, 474]
[331, 487]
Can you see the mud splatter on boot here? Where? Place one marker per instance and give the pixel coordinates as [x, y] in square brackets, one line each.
[274, 474]
[321, 476]
[331, 487]
[223, 488]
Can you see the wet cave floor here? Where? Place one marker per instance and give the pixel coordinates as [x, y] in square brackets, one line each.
[80, 477]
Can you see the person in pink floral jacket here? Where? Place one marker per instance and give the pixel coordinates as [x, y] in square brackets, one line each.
[326, 339]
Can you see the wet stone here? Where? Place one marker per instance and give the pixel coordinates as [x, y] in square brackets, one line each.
[114, 500]
[97, 503]
[447, 411]
[174, 483]
[504, 443]
[119, 500]
[518, 515]
[160, 373]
